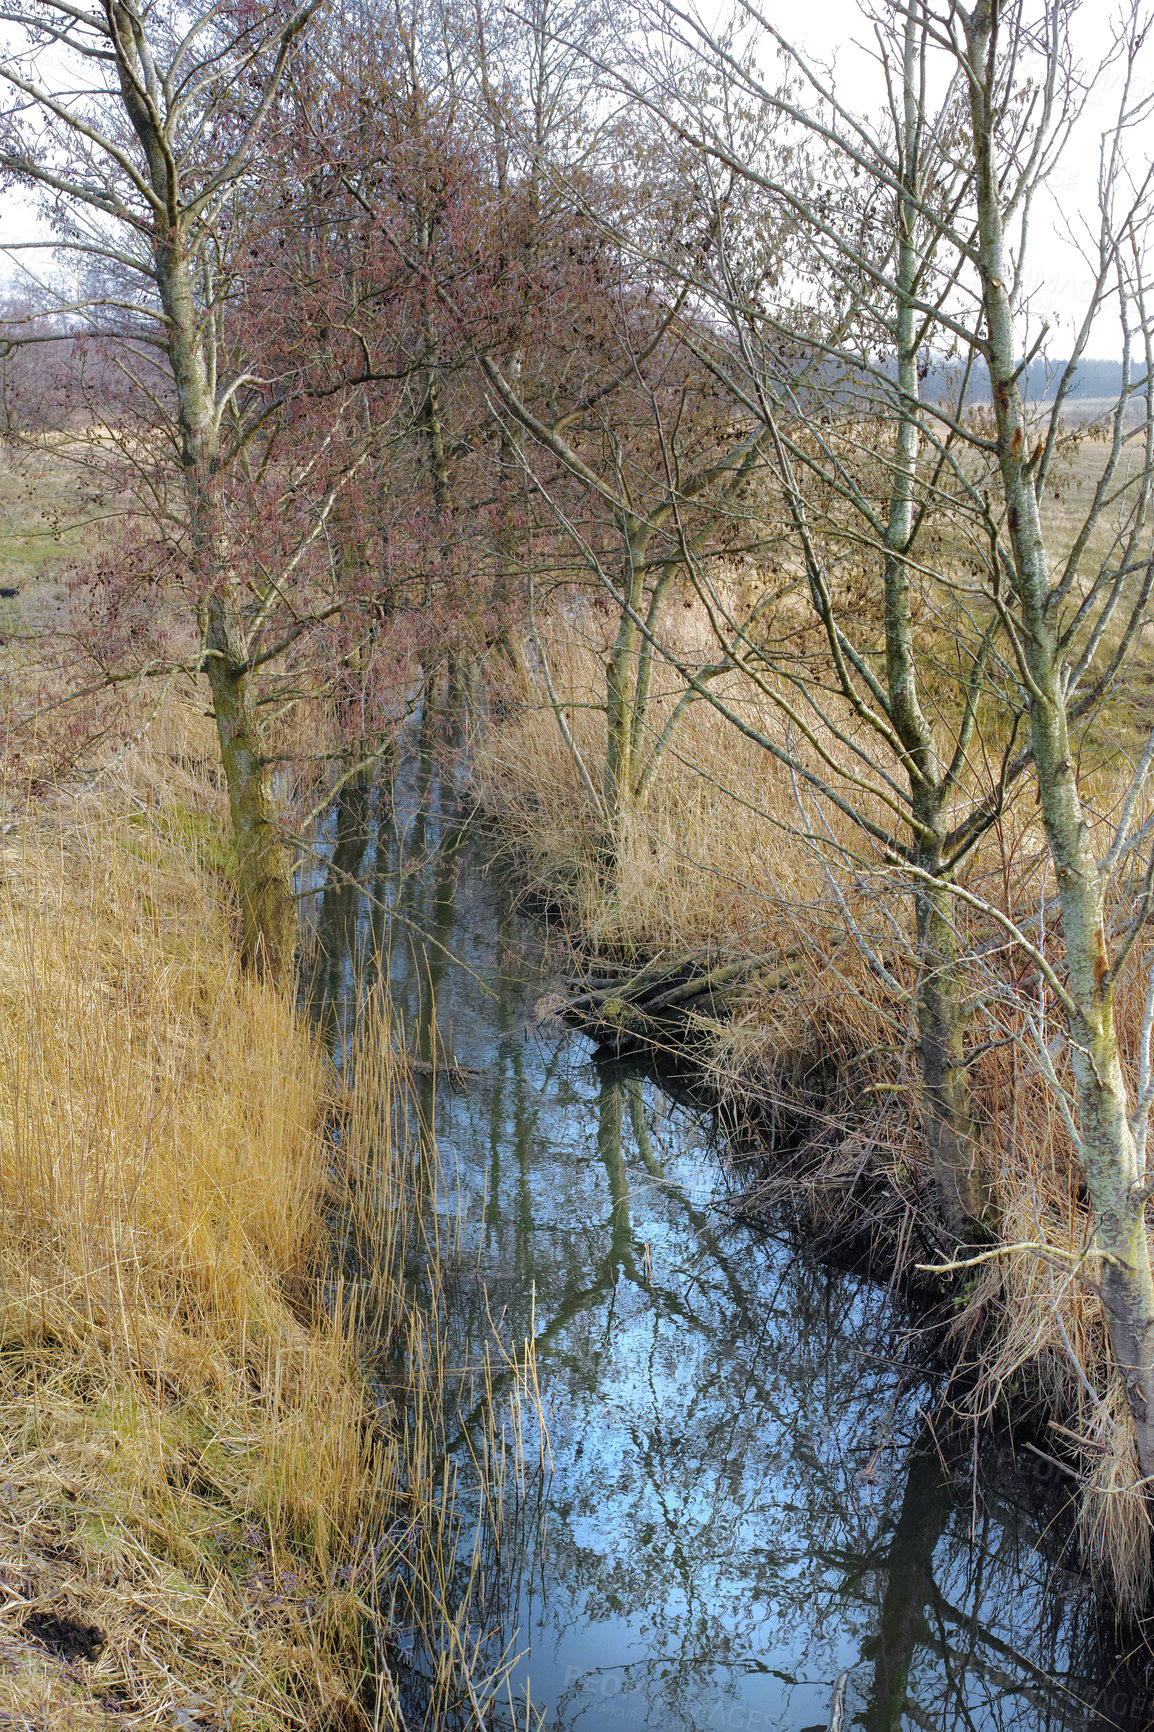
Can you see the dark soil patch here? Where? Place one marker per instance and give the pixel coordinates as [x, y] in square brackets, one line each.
[65, 1636]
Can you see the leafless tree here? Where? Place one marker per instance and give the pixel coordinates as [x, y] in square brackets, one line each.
[137, 126]
[960, 628]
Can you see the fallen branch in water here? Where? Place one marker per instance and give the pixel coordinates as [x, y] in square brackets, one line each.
[660, 989]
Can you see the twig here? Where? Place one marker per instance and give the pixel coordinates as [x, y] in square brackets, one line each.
[1007, 1250]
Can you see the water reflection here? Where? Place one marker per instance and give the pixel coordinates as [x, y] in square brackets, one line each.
[748, 1495]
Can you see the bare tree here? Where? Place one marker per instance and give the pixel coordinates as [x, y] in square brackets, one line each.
[1074, 623]
[889, 373]
[649, 505]
[607, 413]
[138, 125]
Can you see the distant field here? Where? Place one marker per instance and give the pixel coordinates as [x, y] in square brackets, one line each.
[42, 526]
[1077, 410]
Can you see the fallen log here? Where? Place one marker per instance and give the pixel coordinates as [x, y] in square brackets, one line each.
[722, 975]
[625, 1016]
[653, 990]
[634, 987]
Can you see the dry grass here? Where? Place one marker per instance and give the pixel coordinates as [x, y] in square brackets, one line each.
[189, 1454]
[822, 1050]
[227, 1457]
[192, 1459]
[703, 864]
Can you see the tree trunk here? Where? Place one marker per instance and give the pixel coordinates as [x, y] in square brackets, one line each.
[954, 1151]
[621, 678]
[654, 619]
[954, 1148]
[1108, 1153]
[264, 859]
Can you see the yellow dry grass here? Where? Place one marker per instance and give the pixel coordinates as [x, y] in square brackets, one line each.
[702, 865]
[189, 1459]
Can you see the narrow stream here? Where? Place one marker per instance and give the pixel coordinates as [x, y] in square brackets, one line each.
[746, 1495]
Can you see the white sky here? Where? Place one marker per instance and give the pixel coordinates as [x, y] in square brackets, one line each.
[834, 30]
[1057, 278]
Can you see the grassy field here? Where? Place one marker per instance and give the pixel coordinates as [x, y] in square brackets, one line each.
[43, 524]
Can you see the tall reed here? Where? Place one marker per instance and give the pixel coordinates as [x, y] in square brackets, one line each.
[221, 1439]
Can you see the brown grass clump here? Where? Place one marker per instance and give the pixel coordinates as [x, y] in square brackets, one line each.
[702, 864]
[190, 1461]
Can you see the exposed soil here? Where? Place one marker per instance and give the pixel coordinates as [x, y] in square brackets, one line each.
[65, 1636]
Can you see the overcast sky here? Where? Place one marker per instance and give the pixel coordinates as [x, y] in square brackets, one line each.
[835, 31]
[1057, 276]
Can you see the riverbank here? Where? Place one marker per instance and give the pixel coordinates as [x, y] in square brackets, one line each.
[195, 1476]
[809, 1045]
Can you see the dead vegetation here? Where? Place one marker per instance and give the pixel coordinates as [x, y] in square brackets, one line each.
[207, 1519]
[815, 1045]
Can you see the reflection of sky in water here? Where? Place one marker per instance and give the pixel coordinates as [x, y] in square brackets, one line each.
[746, 1495]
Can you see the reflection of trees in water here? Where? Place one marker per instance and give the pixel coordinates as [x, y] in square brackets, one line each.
[745, 1484]
[725, 1508]
[336, 948]
[979, 1661]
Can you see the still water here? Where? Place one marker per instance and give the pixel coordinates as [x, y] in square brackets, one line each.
[746, 1496]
